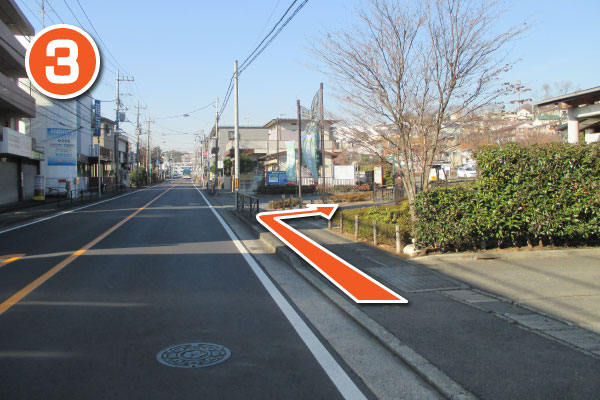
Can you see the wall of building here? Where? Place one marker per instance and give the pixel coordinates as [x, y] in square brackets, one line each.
[62, 126]
[8, 181]
[15, 103]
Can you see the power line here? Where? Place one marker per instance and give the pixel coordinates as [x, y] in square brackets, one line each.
[187, 114]
[227, 95]
[287, 21]
[52, 8]
[267, 40]
[31, 12]
[44, 13]
[104, 46]
[268, 34]
[61, 105]
[72, 13]
[179, 132]
[268, 20]
[100, 39]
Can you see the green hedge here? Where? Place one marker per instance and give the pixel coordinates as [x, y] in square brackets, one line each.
[285, 189]
[523, 195]
[350, 197]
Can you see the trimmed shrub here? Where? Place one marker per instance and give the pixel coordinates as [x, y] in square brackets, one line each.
[546, 194]
[276, 205]
[285, 189]
[350, 198]
[351, 188]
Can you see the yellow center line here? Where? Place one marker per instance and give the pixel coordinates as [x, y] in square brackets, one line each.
[15, 298]
[14, 257]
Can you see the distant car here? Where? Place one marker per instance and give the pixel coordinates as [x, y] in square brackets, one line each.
[175, 176]
[466, 172]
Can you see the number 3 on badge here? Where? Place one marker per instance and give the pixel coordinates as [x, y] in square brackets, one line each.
[70, 61]
[62, 61]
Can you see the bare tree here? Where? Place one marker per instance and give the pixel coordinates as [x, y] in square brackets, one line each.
[558, 89]
[405, 67]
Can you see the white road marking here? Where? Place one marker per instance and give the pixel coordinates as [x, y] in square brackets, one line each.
[70, 211]
[336, 373]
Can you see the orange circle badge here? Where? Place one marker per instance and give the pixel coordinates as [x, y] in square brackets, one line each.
[62, 61]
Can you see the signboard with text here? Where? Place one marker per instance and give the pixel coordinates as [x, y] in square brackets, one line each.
[276, 178]
[62, 146]
[378, 175]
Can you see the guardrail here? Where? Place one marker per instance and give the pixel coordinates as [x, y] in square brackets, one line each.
[245, 203]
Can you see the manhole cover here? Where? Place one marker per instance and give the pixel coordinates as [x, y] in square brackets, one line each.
[193, 355]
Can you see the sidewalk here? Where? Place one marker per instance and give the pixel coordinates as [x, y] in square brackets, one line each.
[27, 211]
[563, 283]
[490, 346]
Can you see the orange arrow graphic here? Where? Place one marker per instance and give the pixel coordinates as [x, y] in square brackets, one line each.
[356, 284]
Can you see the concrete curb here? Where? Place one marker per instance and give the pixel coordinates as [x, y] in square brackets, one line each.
[421, 366]
[509, 254]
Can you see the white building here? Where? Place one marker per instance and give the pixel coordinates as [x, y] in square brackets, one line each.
[281, 131]
[19, 158]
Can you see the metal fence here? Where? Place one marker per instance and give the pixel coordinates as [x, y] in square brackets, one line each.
[246, 204]
[388, 194]
[370, 230]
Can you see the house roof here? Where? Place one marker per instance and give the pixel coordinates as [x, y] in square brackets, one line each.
[230, 127]
[282, 153]
[273, 122]
[574, 99]
[526, 107]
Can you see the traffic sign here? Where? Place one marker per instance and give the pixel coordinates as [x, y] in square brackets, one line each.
[62, 61]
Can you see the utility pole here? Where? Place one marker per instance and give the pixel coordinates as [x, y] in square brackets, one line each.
[236, 126]
[118, 108]
[149, 154]
[299, 162]
[217, 139]
[99, 167]
[139, 132]
[323, 138]
[278, 134]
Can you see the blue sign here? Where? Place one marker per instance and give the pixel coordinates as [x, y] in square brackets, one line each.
[97, 117]
[61, 146]
[276, 178]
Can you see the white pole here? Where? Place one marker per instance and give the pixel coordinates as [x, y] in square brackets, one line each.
[118, 104]
[236, 126]
[572, 126]
[217, 140]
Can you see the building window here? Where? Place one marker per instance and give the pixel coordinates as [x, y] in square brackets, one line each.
[231, 135]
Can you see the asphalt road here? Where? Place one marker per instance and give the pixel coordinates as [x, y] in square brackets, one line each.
[87, 308]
